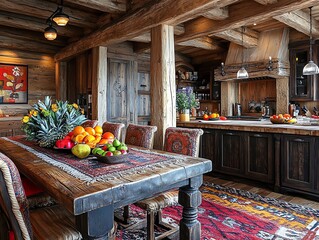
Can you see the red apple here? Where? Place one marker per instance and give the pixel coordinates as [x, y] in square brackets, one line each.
[59, 143]
[109, 154]
[123, 152]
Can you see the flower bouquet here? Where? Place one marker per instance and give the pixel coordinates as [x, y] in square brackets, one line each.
[47, 122]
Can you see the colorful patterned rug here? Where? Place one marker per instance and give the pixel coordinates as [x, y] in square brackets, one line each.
[228, 213]
[90, 169]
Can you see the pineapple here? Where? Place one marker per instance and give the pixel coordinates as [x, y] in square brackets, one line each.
[49, 122]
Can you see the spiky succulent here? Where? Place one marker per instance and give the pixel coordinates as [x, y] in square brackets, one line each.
[47, 122]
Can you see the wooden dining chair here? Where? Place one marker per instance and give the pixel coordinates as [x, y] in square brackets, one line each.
[41, 223]
[115, 128]
[140, 135]
[177, 140]
[90, 123]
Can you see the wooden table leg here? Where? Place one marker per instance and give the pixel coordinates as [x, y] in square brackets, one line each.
[190, 198]
[96, 224]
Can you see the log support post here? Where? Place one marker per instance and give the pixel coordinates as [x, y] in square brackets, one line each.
[61, 80]
[163, 88]
[99, 84]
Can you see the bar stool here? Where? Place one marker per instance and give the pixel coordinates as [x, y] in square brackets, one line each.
[177, 140]
[115, 128]
[90, 123]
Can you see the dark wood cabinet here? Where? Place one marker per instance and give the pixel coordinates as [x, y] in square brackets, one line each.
[259, 157]
[230, 152]
[299, 163]
[207, 146]
[302, 87]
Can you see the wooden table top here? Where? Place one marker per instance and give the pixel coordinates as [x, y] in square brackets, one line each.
[80, 197]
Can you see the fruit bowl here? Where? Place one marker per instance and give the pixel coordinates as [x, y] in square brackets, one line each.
[277, 121]
[112, 159]
[213, 119]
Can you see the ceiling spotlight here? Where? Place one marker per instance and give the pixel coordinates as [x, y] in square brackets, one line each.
[50, 33]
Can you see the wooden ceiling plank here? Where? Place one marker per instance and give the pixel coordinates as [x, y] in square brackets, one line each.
[265, 2]
[32, 46]
[217, 13]
[109, 6]
[44, 9]
[240, 16]
[299, 20]
[236, 37]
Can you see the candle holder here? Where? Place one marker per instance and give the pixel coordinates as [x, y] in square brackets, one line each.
[270, 64]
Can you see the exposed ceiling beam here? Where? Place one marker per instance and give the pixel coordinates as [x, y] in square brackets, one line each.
[240, 16]
[299, 20]
[204, 43]
[142, 20]
[29, 23]
[265, 2]
[109, 6]
[250, 37]
[217, 13]
[44, 9]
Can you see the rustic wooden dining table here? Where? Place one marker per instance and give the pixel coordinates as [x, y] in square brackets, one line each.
[92, 190]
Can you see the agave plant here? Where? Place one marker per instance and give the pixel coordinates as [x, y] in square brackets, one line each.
[47, 122]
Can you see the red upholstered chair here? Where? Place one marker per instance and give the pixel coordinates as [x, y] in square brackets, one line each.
[177, 140]
[41, 223]
[90, 123]
[115, 128]
[140, 135]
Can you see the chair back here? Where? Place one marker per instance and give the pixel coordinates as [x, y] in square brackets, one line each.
[182, 141]
[90, 123]
[13, 200]
[114, 128]
[140, 135]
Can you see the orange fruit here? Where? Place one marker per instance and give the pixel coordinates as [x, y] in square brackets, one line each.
[78, 138]
[88, 139]
[98, 130]
[90, 130]
[98, 137]
[108, 135]
[78, 130]
[103, 141]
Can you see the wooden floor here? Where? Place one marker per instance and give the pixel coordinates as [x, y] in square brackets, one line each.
[261, 190]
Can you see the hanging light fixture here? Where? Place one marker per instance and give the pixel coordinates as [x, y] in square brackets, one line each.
[311, 68]
[242, 73]
[50, 32]
[60, 18]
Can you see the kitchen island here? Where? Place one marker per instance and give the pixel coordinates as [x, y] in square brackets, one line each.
[284, 156]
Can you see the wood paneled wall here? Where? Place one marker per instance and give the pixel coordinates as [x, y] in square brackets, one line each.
[41, 77]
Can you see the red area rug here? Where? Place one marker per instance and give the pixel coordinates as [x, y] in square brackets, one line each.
[228, 213]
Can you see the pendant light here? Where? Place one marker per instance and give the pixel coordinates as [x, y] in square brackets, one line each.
[242, 73]
[60, 17]
[50, 32]
[311, 68]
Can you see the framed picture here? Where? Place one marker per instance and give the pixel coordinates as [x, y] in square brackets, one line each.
[13, 83]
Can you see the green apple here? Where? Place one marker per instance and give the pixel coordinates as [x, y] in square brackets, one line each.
[116, 143]
[94, 151]
[116, 152]
[111, 149]
[121, 147]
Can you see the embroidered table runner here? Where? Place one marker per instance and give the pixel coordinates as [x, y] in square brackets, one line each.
[91, 170]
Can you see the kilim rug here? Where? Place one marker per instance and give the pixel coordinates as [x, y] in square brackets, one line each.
[228, 213]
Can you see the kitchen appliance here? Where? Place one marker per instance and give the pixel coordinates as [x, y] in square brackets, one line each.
[237, 109]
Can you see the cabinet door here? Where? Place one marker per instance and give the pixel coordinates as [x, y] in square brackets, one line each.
[230, 152]
[298, 162]
[144, 98]
[259, 157]
[122, 91]
[207, 146]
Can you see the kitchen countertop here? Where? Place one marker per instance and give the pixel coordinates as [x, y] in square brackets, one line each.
[253, 126]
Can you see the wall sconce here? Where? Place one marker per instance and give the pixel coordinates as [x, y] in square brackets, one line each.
[223, 73]
[270, 66]
[60, 18]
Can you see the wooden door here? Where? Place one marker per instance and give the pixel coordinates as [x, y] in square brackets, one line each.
[298, 162]
[230, 152]
[122, 91]
[259, 157]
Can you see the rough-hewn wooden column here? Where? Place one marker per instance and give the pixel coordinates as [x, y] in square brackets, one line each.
[163, 88]
[60, 80]
[99, 83]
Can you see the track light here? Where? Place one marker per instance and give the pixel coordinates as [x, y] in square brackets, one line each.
[60, 18]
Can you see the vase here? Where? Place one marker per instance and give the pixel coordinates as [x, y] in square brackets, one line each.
[184, 115]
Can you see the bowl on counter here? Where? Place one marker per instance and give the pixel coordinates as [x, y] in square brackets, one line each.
[277, 120]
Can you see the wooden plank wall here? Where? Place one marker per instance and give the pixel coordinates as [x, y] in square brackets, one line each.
[41, 77]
